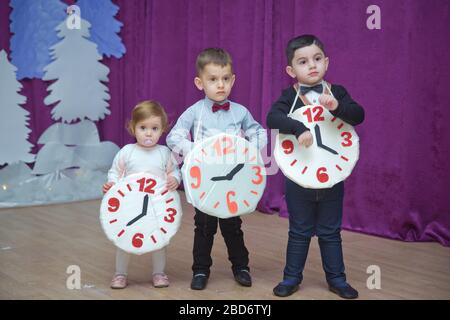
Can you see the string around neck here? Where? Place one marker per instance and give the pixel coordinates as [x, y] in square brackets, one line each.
[298, 95]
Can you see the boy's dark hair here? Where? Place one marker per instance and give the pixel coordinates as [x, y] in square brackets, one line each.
[213, 55]
[300, 42]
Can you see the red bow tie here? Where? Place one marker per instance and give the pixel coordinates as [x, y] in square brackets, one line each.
[216, 107]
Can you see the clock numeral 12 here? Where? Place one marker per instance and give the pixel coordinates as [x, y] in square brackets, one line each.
[317, 114]
[151, 183]
[228, 148]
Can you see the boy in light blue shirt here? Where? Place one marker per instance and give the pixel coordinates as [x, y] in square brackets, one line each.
[212, 115]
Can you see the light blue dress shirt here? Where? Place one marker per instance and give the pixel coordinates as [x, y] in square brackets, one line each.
[200, 122]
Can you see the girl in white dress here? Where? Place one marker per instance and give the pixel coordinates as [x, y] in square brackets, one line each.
[148, 122]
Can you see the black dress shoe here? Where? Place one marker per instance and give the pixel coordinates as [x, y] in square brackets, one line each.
[199, 282]
[346, 292]
[243, 278]
[282, 290]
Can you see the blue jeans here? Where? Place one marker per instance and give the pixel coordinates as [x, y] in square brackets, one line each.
[315, 212]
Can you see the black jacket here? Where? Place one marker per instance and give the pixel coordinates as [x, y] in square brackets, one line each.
[347, 110]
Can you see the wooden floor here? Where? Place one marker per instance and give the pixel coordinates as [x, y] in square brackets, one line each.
[38, 244]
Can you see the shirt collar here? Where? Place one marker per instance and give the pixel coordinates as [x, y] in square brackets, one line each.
[209, 103]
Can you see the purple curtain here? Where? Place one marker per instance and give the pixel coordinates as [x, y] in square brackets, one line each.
[399, 74]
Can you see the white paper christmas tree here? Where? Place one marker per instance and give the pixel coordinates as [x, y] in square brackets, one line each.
[14, 132]
[72, 164]
[79, 89]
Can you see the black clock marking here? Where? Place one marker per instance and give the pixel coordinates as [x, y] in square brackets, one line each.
[319, 140]
[143, 213]
[230, 175]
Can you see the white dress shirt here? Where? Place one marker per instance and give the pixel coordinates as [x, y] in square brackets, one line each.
[200, 122]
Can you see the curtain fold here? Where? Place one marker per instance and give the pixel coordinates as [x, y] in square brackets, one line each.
[400, 187]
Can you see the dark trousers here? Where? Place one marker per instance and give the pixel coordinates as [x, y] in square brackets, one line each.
[205, 229]
[315, 212]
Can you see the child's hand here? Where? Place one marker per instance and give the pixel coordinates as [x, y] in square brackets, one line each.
[305, 139]
[107, 186]
[172, 183]
[328, 101]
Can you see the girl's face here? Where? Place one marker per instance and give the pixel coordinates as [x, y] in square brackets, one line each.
[148, 131]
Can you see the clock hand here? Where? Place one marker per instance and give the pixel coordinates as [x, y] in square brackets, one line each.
[144, 208]
[211, 191]
[135, 219]
[318, 136]
[230, 175]
[319, 140]
[235, 170]
[143, 214]
[220, 178]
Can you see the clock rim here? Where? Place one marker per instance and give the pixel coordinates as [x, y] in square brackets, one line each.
[189, 159]
[167, 236]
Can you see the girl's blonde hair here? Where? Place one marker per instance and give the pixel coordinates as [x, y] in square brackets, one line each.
[144, 110]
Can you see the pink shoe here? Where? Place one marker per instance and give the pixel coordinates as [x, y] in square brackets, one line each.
[119, 281]
[160, 280]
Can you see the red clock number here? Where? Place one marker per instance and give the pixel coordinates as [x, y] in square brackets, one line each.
[228, 148]
[321, 175]
[137, 240]
[232, 205]
[113, 204]
[170, 217]
[258, 174]
[288, 146]
[347, 139]
[151, 183]
[196, 174]
[317, 114]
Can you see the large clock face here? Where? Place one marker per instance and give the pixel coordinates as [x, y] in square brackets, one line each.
[224, 176]
[331, 157]
[139, 214]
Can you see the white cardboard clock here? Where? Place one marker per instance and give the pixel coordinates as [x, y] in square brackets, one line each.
[329, 160]
[224, 176]
[139, 214]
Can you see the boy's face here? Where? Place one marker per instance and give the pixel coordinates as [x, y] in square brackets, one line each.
[309, 65]
[216, 81]
[148, 131]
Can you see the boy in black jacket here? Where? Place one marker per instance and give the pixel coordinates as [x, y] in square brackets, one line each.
[312, 211]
